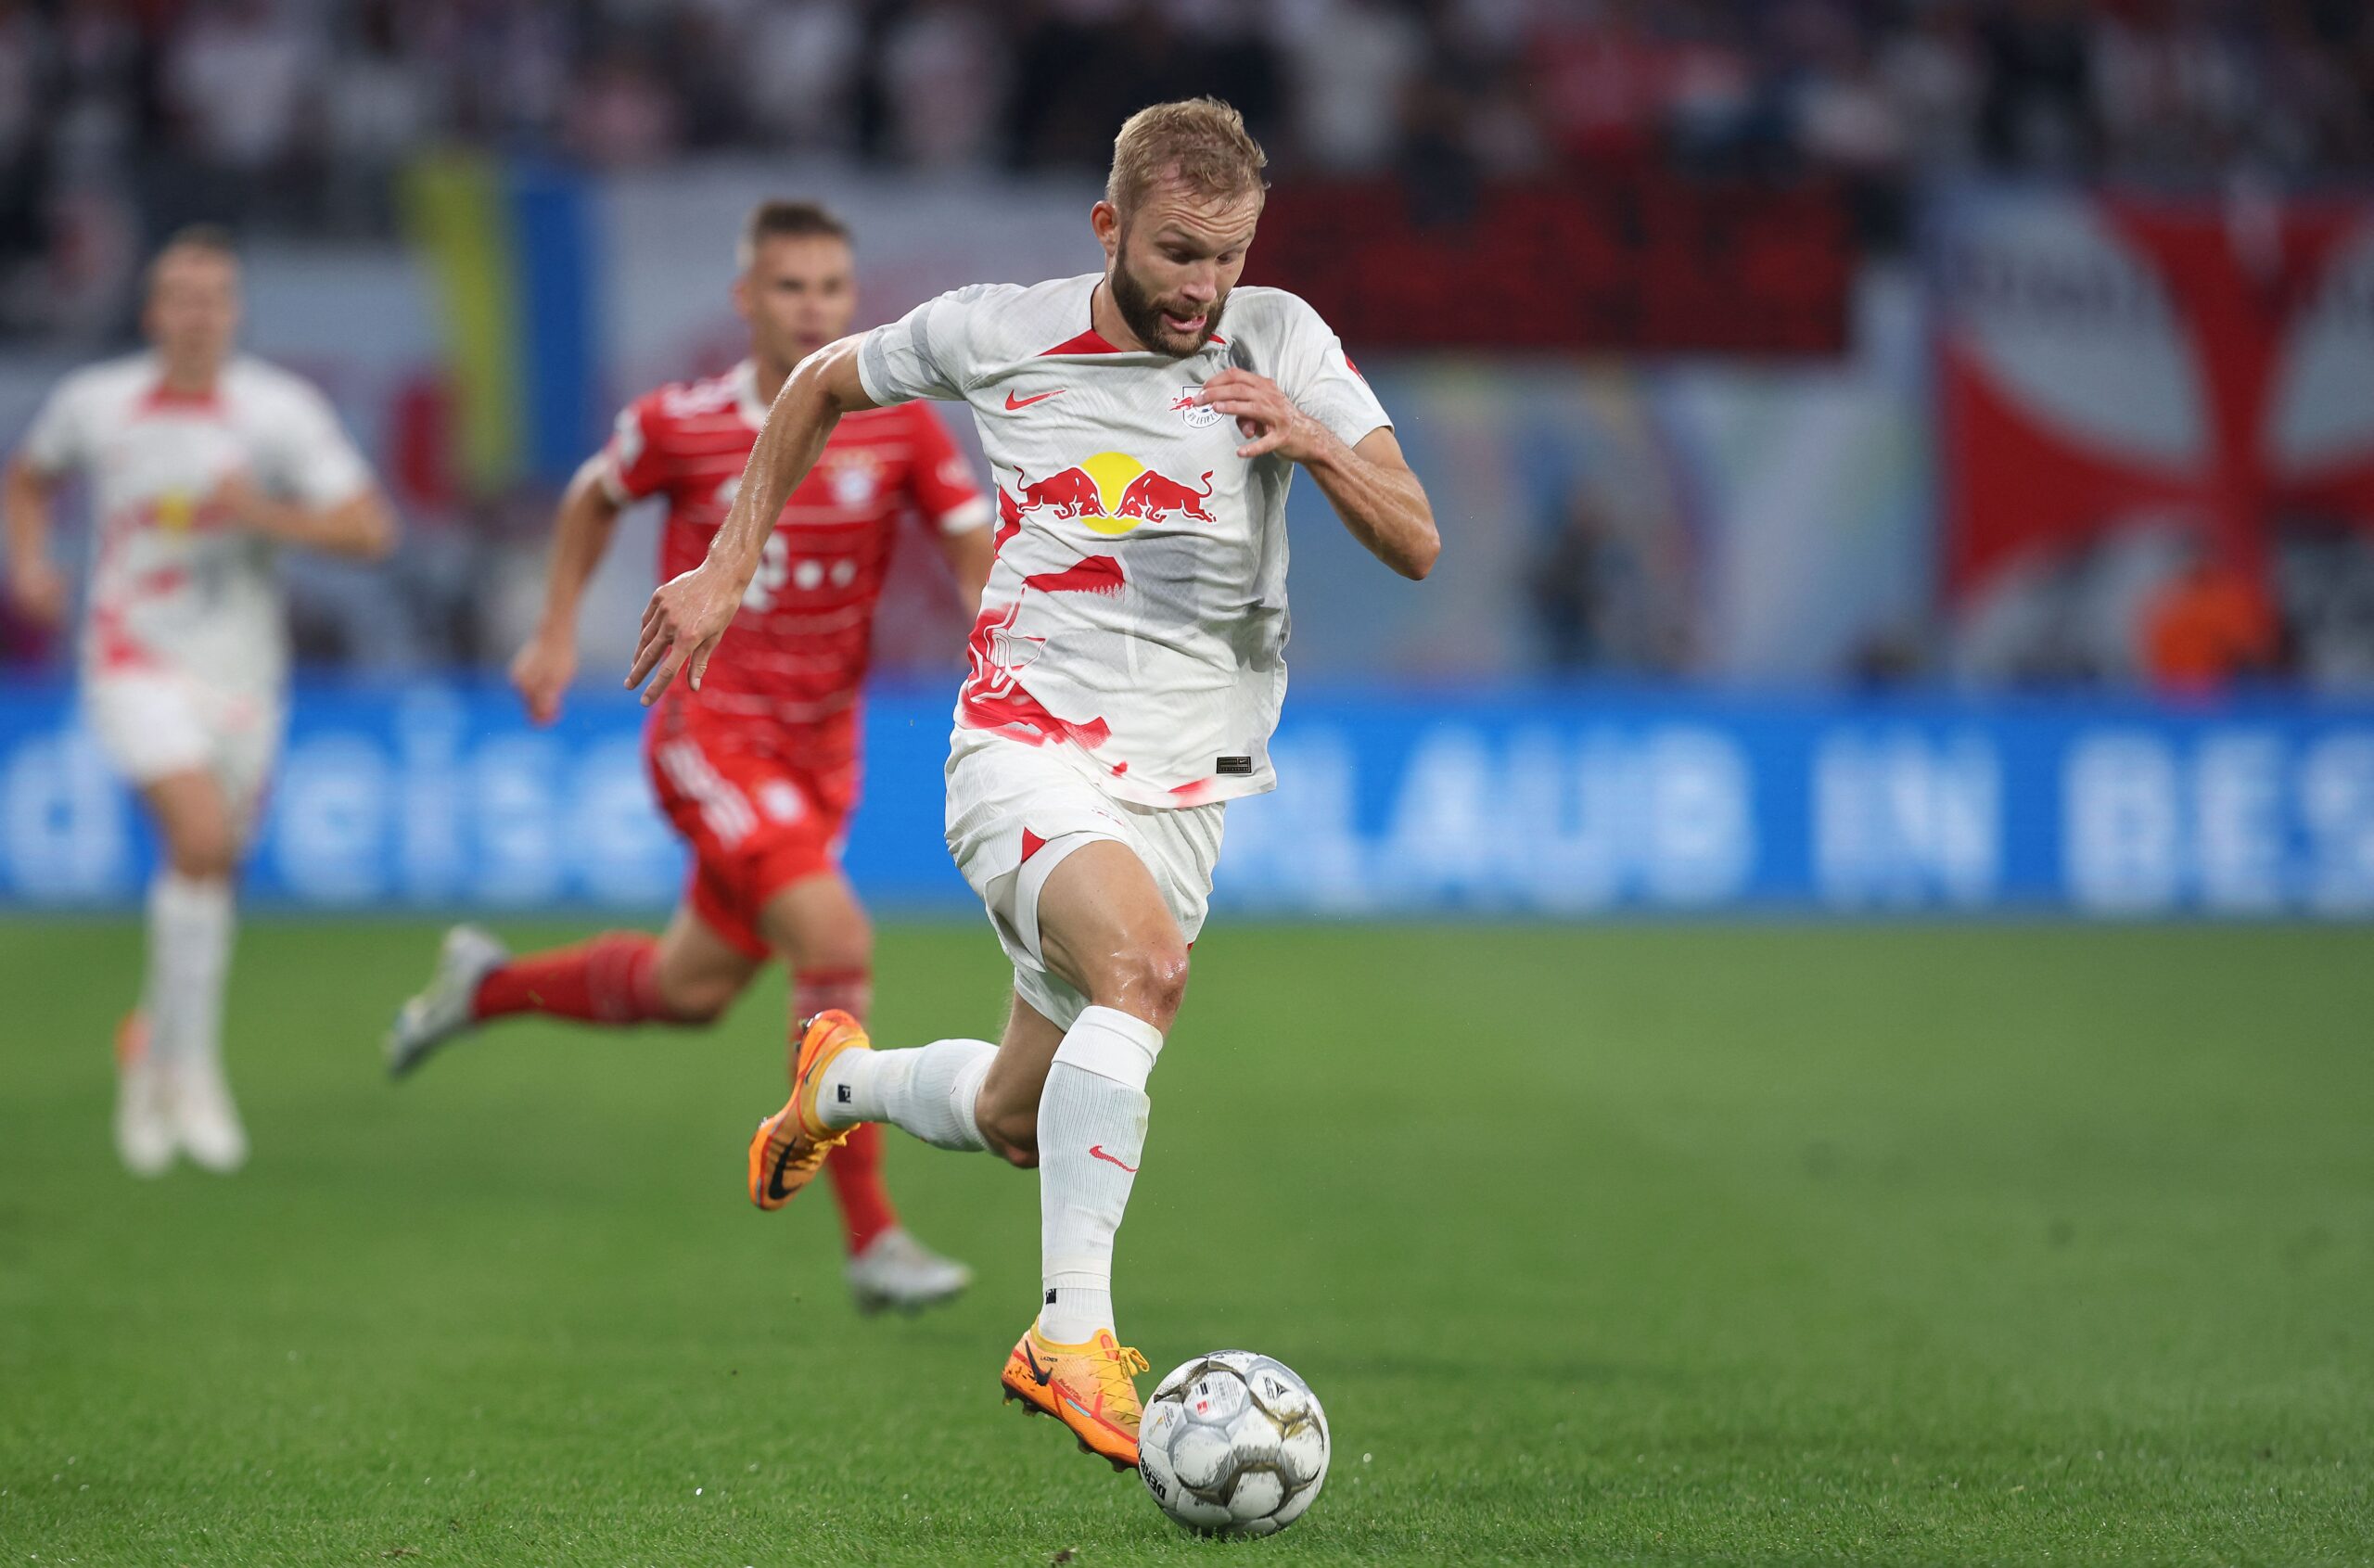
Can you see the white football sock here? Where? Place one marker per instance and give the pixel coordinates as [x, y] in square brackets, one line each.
[190, 925]
[929, 1091]
[1091, 1135]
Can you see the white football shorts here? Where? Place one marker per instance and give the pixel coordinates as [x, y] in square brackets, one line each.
[153, 724]
[1015, 811]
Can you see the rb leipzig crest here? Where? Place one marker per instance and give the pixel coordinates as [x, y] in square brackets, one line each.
[1197, 416]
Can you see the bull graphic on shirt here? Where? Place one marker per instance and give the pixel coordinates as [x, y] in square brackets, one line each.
[1114, 493]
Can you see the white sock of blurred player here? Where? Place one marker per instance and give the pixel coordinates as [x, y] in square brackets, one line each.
[190, 926]
[929, 1091]
[1092, 1136]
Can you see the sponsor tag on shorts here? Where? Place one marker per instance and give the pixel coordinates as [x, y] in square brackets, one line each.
[1241, 767]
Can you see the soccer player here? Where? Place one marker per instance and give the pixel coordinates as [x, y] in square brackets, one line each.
[202, 463]
[759, 769]
[1143, 423]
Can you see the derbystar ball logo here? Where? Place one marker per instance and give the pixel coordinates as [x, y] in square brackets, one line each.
[1113, 493]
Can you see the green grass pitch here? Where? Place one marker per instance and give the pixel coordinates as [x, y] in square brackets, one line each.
[1660, 1245]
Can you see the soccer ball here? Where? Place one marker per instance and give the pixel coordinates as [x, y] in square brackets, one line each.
[1233, 1444]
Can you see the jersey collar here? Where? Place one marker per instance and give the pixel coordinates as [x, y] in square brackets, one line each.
[746, 395]
[1094, 342]
[161, 398]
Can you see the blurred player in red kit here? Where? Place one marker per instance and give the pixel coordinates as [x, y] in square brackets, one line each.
[758, 771]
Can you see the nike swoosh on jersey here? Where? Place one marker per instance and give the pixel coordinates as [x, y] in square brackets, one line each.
[1012, 402]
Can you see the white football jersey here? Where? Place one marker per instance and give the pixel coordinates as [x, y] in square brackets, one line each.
[174, 585]
[1135, 618]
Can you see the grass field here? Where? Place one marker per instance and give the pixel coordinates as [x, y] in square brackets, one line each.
[1666, 1245]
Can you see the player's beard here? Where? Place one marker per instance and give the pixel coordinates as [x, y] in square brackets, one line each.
[1143, 314]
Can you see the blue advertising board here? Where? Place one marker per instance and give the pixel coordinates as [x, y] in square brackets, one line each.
[1400, 802]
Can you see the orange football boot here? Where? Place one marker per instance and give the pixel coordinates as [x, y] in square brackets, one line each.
[790, 1146]
[1085, 1386]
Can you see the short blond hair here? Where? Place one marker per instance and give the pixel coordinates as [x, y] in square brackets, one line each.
[779, 219]
[193, 239]
[1201, 143]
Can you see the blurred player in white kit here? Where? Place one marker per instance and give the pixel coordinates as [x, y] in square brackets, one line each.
[202, 462]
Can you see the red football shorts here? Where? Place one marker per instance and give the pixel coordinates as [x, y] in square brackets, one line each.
[756, 823]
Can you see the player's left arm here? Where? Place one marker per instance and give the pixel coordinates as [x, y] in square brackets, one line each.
[29, 494]
[36, 588]
[312, 489]
[361, 527]
[1368, 482]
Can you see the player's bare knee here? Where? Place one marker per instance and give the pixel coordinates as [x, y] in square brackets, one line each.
[696, 1002]
[847, 955]
[203, 853]
[817, 927]
[1148, 982]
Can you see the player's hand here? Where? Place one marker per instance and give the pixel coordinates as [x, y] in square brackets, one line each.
[541, 672]
[1266, 416]
[237, 498]
[681, 627]
[37, 592]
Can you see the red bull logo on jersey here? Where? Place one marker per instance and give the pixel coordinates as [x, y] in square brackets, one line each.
[178, 511]
[1114, 492]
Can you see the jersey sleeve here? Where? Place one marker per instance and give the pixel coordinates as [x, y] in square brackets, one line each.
[1319, 376]
[57, 439]
[940, 480]
[633, 465]
[926, 353]
[315, 461]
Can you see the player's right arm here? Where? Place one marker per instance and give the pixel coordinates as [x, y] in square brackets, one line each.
[53, 447]
[589, 512]
[688, 613]
[36, 588]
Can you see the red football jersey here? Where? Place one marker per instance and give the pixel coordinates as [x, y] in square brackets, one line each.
[795, 655]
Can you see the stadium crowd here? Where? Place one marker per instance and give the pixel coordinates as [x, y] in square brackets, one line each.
[123, 116]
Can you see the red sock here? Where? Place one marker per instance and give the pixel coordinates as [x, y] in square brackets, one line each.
[856, 1165]
[612, 979]
[813, 990]
[857, 1187]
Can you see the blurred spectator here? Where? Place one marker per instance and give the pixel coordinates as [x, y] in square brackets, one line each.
[24, 50]
[943, 70]
[2325, 576]
[1932, 71]
[2212, 625]
[2037, 111]
[798, 62]
[236, 78]
[1601, 77]
[621, 114]
[1346, 62]
[1599, 600]
[1841, 111]
[382, 111]
[1715, 113]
